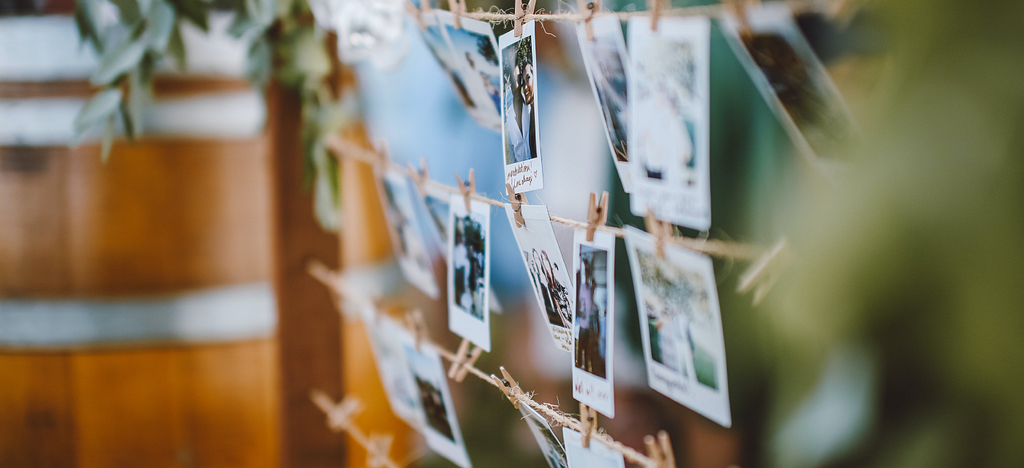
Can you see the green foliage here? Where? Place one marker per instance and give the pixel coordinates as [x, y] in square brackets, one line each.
[281, 44]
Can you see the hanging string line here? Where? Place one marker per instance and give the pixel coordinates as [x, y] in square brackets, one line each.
[333, 282]
[338, 421]
[713, 10]
[714, 247]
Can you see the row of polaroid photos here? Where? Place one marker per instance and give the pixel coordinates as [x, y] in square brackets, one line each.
[654, 97]
[417, 390]
[676, 295]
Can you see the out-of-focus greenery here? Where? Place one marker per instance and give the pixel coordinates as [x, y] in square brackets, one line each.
[896, 330]
[283, 42]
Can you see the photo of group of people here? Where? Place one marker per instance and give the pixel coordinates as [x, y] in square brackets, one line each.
[792, 80]
[469, 57]
[549, 276]
[553, 451]
[520, 128]
[680, 325]
[669, 92]
[469, 271]
[594, 321]
[440, 428]
[407, 237]
[606, 60]
[596, 456]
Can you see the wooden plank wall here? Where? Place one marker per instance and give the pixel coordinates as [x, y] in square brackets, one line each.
[159, 217]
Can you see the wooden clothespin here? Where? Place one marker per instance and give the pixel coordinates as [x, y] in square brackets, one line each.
[521, 15]
[587, 9]
[588, 424]
[419, 178]
[411, 9]
[508, 386]
[464, 359]
[339, 417]
[457, 8]
[377, 450]
[660, 450]
[655, 7]
[467, 189]
[764, 271]
[597, 214]
[414, 321]
[517, 200]
[661, 232]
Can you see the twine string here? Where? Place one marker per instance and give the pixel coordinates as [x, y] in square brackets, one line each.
[559, 418]
[714, 247]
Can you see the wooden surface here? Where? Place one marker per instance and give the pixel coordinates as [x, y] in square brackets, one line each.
[208, 406]
[160, 216]
[309, 328]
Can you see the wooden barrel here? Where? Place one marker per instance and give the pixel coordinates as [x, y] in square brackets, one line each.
[136, 314]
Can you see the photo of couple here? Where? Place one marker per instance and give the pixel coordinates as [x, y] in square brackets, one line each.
[520, 125]
[548, 273]
[520, 112]
[468, 265]
[469, 277]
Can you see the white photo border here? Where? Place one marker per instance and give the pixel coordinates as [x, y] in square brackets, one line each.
[608, 25]
[713, 404]
[589, 389]
[461, 322]
[523, 176]
[689, 207]
[537, 215]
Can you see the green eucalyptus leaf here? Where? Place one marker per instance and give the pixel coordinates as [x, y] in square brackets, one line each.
[129, 9]
[195, 11]
[161, 25]
[86, 20]
[257, 66]
[101, 106]
[108, 139]
[119, 60]
[240, 26]
[176, 48]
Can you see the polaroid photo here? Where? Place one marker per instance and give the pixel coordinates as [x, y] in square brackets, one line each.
[440, 427]
[669, 139]
[520, 119]
[607, 60]
[791, 79]
[680, 325]
[474, 51]
[469, 271]
[437, 206]
[549, 276]
[549, 444]
[387, 339]
[437, 41]
[597, 456]
[407, 237]
[593, 328]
